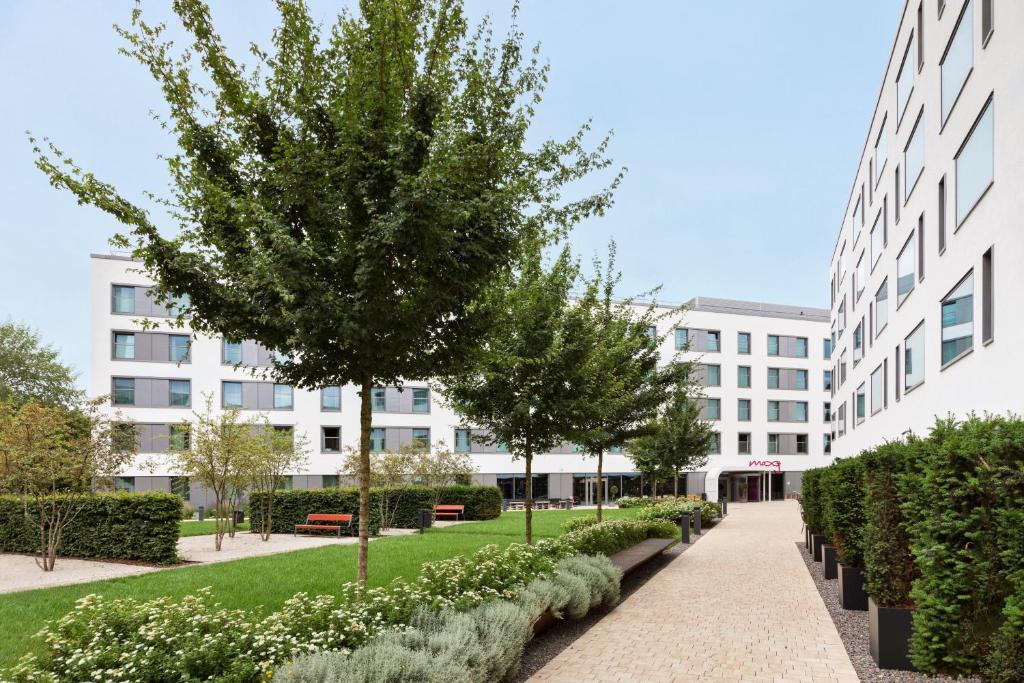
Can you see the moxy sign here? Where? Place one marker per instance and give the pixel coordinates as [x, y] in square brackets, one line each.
[777, 464]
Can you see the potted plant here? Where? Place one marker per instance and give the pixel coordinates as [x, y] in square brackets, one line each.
[845, 518]
[889, 567]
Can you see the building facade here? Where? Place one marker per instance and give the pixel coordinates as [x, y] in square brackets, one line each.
[765, 369]
[928, 259]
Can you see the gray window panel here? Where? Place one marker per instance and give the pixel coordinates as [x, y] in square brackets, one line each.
[264, 358]
[250, 395]
[393, 400]
[250, 353]
[159, 347]
[264, 395]
[160, 393]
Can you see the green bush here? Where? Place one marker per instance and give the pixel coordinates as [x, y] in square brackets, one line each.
[608, 538]
[577, 523]
[111, 526]
[843, 508]
[889, 566]
[292, 506]
[634, 502]
[672, 510]
[484, 644]
[964, 503]
[810, 499]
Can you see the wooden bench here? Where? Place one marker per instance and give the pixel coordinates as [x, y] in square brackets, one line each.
[452, 511]
[322, 522]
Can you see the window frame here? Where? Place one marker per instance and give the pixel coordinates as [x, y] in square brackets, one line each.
[942, 326]
[912, 237]
[224, 395]
[114, 391]
[170, 393]
[945, 114]
[114, 335]
[323, 399]
[291, 397]
[908, 186]
[907, 388]
[986, 108]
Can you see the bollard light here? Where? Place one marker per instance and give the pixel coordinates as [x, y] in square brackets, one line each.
[696, 522]
[684, 526]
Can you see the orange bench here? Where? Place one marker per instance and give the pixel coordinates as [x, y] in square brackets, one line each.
[325, 523]
[453, 511]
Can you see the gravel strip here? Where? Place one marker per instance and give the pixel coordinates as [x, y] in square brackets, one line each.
[853, 629]
[541, 650]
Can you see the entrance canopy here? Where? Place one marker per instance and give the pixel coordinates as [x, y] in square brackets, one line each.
[711, 478]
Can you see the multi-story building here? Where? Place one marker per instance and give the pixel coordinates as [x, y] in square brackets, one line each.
[764, 368]
[929, 251]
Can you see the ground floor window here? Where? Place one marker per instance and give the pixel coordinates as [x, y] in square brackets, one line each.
[513, 486]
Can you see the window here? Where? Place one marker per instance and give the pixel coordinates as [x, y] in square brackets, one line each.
[913, 358]
[330, 398]
[181, 392]
[177, 437]
[714, 375]
[841, 317]
[827, 349]
[652, 334]
[877, 387]
[378, 399]
[286, 483]
[801, 347]
[501, 447]
[180, 487]
[421, 437]
[881, 152]
[857, 221]
[920, 248]
[773, 411]
[913, 157]
[905, 79]
[330, 439]
[841, 420]
[124, 345]
[986, 21]
[861, 403]
[827, 406]
[958, 60]
[858, 343]
[987, 304]
[124, 299]
[682, 338]
[773, 444]
[178, 305]
[743, 443]
[743, 410]
[378, 439]
[801, 444]
[714, 341]
[232, 353]
[743, 377]
[878, 238]
[179, 346]
[800, 412]
[773, 378]
[881, 311]
[842, 368]
[905, 269]
[827, 443]
[421, 400]
[801, 379]
[920, 36]
[974, 162]
[942, 215]
[716, 443]
[462, 440]
[714, 409]
[828, 380]
[330, 481]
[743, 342]
[958, 320]
[773, 345]
[282, 397]
[126, 484]
[859, 276]
[895, 196]
[231, 394]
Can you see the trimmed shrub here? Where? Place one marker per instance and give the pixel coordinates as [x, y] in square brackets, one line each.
[483, 644]
[142, 527]
[810, 499]
[577, 523]
[843, 508]
[608, 538]
[672, 510]
[964, 485]
[634, 502]
[292, 506]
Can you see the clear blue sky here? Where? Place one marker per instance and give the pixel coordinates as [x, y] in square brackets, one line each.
[740, 122]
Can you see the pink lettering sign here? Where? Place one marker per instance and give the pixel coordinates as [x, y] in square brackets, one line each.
[777, 464]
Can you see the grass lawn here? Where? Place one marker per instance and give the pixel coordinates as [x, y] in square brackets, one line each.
[189, 528]
[266, 582]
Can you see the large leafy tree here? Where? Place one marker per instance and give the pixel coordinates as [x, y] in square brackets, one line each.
[345, 201]
[625, 386]
[31, 370]
[524, 384]
[678, 439]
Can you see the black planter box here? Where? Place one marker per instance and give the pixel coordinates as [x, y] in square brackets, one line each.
[889, 630]
[851, 588]
[817, 540]
[828, 555]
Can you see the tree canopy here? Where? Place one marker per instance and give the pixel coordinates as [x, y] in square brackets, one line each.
[32, 370]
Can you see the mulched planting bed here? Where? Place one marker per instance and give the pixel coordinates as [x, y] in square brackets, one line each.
[853, 629]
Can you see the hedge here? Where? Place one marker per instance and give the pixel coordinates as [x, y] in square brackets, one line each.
[292, 506]
[889, 567]
[843, 513]
[111, 526]
[671, 510]
[810, 499]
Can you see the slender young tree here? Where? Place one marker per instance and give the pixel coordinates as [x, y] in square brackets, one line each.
[524, 383]
[346, 201]
[624, 384]
[678, 439]
[274, 453]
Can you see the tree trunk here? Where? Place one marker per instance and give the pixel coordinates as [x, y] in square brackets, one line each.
[675, 485]
[268, 515]
[218, 520]
[365, 422]
[654, 489]
[600, 489]
[528, 457]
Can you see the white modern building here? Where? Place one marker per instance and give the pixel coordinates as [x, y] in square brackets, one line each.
[928, 260]
[766, 370]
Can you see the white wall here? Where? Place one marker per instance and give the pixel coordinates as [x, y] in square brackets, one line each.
[989, 378]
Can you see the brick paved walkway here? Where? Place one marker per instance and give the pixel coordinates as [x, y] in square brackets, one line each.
[737, 606]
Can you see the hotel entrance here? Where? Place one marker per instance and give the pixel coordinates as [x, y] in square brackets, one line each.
[750, 487]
